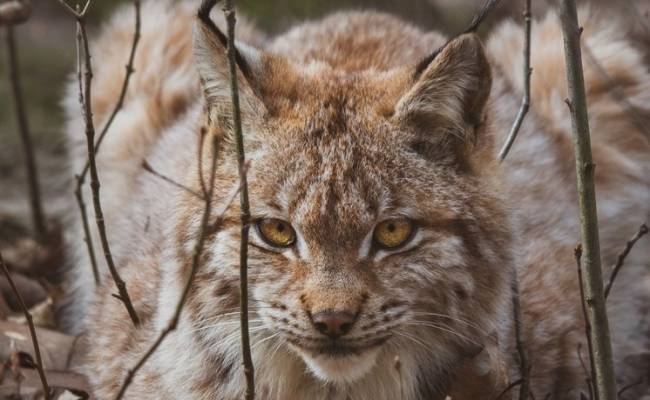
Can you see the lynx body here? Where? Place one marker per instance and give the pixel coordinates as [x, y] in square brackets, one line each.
[346, 127]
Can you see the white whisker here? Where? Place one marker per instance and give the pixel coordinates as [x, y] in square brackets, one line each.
[442, 328]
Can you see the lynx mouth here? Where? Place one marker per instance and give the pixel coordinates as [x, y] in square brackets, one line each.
[339, 362]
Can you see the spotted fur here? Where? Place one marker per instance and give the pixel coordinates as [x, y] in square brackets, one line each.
[341, 132]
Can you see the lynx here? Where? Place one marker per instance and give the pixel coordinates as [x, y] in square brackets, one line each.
[385, 237]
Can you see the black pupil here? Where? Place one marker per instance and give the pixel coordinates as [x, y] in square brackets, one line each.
[391, 227]
[280, 227]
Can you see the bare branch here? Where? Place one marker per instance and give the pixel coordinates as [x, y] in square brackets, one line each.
[508, 388]
[643, 229]
[198, 250]
[94, 177]
[605, 382]
[249, 370]
[69, 9]
[125, 85]
[524, 387]
[38, 218]
[588, 374]
[525, 102]
[81, 178]
[167, 179]
[630, 386]
[32, 331]
[199, 160]
[76, 13]
[86, 230]
[578, 256]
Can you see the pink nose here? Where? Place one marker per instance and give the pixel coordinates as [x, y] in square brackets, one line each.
[333, 323]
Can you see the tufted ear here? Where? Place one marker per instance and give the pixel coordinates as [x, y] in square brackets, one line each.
[210, 55]
[447, 100]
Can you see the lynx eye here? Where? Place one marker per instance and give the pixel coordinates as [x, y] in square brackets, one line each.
[276, 232]
[392, 233]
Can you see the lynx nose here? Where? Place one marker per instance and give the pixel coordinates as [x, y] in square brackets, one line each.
[333, 323]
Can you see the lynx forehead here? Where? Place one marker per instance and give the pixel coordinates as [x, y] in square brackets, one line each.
[384, 237]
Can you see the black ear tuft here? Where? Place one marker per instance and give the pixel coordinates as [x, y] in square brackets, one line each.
[204, 17]
[478, 19]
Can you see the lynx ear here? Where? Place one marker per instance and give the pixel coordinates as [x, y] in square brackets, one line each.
[210, 54]
[446, 103]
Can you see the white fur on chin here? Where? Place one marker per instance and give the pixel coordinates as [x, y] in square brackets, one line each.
[345, 369]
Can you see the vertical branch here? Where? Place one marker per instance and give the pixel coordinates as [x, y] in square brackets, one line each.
[578, 256]
[79, 182]
[524, 387]
[32, 331]
[36, 205]
[86, 229]
[125, 85]
[81, 178]
[605, 382]
[525, 102]
[94, 177]
[245, 208]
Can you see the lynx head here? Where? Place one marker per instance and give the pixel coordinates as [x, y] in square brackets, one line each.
[376, 231]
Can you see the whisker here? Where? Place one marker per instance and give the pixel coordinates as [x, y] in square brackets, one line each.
[277, 347]
[460, 320]
[220, 325]
[442, 328]
[255, 345]
[412, 339]
[235, 337]
[224, 314]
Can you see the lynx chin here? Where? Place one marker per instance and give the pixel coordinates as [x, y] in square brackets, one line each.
[385, 236]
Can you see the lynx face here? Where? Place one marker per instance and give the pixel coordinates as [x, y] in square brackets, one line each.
[375, 232]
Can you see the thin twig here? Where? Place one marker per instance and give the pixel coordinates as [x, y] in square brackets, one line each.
[125, 85]
[630, 386]
[149, 169]
[86, 229]
[586, 371]
[81, 177]
[199, 160]
[38, 218]
[245, 207]
[507, 389]
[578, 256]
[32, 330]
[521, 347]
[605, 381]
[80, 15]
[75, 13]
[643, 229]
[198, 250]
[525, 102]
[78, 187]
[94, 176]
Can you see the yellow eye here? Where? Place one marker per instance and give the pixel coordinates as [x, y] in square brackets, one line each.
[393, 233]
[276, 232]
